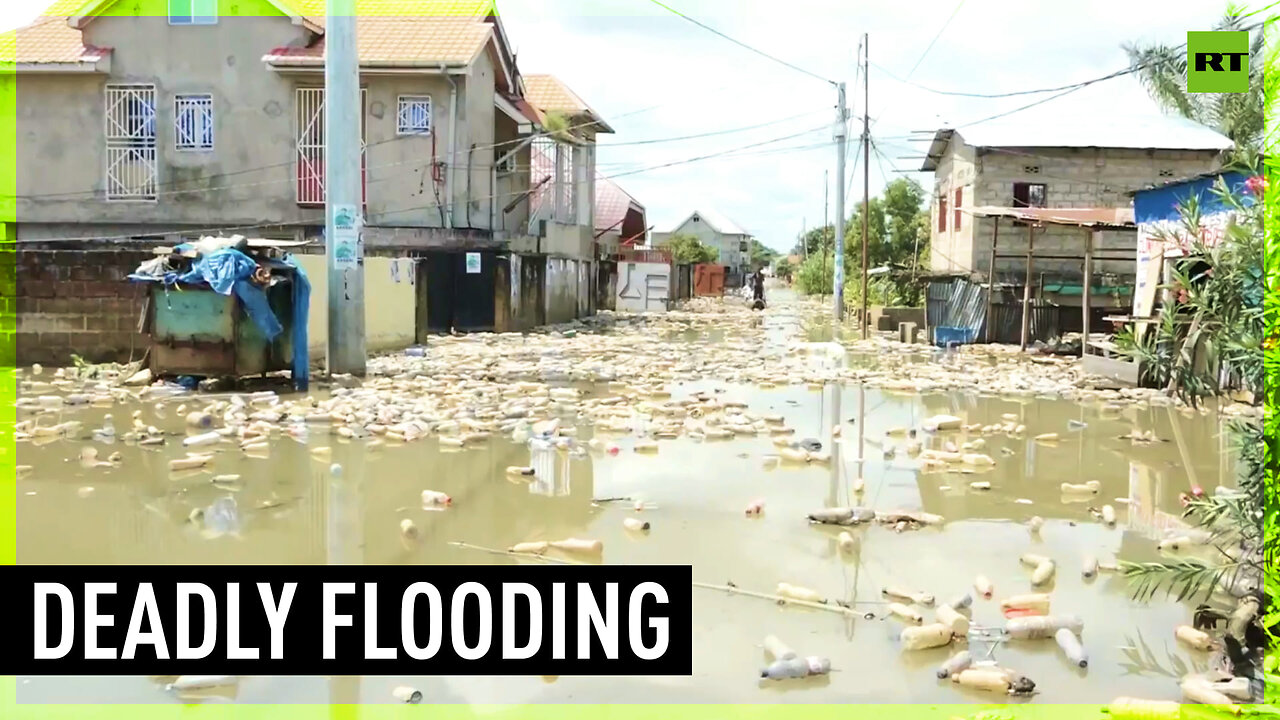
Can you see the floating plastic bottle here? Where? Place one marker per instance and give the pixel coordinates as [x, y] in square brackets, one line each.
[1035, 523]
[199, 419]
[848, 543]
[1042, 627]
[408, 529]
[906, 613]
[1198, 691]
[521, 471]
[530, 548]
[1071, 647]
[1047, 437]
[1194, 638]
[796, 592]
[777, 649]
[1089, 567]
[950, 617]
[1038, 602]
[984, 587]
[842, 516]
[1108, 515]
[1090, 488]
[955, 664]
[434, 497]
[404, 693]
[796, 667]
[925, 637]
[635, 524]
[989, 680]
[917, 598]
[961, 602]
[202, 439]
[578, 545]
[1043, 573]
[1032, 560]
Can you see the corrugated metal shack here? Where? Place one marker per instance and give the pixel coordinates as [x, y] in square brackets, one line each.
[966, 309]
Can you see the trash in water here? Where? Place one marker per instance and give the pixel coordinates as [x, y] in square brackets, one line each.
[1071, 647]
[1042, 627]
[406, 694]
[925, 637]
[955, 664]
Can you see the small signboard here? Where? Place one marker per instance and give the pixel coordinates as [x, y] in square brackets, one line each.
[346, 237]
[473, 263]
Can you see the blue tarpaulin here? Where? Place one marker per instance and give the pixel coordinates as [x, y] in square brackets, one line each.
[301, 313]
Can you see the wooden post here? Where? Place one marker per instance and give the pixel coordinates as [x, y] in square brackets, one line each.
[991, 284]
[1086, 292]
[1026, 290]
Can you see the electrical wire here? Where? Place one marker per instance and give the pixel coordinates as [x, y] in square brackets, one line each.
[741, 44]
[187, 230]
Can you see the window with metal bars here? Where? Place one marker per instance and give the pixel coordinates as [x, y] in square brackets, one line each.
[130, 133]
[955, 221]
[942, 213]
[193, 122]
[193, 12]
[413, 115]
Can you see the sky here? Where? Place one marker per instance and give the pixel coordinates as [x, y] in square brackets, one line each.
[653, 75]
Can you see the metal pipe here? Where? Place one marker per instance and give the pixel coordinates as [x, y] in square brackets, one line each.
[1086, 295]
[453, 135]
[991, 283]
[1026, 290]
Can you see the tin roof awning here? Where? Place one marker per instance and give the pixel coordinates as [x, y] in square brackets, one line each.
[1121, 218]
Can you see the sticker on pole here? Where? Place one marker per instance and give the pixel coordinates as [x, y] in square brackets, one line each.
[473, 263]
[346, 237]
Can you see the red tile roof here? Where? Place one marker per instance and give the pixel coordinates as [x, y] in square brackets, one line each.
[404, 42]
[49, 40]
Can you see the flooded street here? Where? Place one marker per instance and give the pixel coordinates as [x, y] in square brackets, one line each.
[286, 507]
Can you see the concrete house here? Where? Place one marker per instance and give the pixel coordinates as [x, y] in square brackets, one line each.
[730, 240]
[1044, 165]
[165, 128]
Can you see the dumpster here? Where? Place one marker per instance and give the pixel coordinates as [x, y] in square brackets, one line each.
[197, 331]
[226, 308]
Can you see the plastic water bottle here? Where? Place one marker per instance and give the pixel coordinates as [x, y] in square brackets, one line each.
[416, 351]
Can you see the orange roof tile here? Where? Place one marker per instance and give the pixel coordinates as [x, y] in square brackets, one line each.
[48, 40]
[403, 41]
[548, 94]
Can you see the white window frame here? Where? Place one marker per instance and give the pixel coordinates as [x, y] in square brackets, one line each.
[404, 102]
[131, 171]
[200, 105]
[190, 18]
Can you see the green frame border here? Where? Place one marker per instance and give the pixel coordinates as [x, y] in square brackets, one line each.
[10, 708]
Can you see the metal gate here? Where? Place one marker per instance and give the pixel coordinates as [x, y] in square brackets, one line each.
[708, 279]
[451, 298]
[310, 145]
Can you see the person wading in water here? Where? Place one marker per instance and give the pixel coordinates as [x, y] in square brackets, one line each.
[757, 287]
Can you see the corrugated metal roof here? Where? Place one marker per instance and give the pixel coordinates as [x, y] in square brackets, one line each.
[1078, 217]
[612, 205]
[1100, 130]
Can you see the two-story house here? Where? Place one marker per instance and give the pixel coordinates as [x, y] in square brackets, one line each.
[730, 240]
[211, 120]
[1073, 164]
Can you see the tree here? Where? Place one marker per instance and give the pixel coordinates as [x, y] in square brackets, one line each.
[1217, 328]
[688, 249]
[784, 269]
[1163, 71]
[762, 255]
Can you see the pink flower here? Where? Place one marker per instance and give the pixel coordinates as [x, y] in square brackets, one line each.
[1183, 296]
[1256, 185]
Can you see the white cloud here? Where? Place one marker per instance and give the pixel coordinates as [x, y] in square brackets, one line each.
[627, 55]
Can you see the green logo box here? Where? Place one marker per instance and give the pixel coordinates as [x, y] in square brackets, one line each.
[1218, 61]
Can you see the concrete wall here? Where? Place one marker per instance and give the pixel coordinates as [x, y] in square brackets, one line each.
[562, 290]
[61, 143]
[249, 177]
[1084, 177]
[643, 287]
[389, 303]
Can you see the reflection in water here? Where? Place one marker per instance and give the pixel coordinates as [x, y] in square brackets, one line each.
[289, 509]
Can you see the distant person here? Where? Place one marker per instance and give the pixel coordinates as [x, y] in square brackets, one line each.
[757, 288]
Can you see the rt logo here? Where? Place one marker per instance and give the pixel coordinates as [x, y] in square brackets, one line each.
[1218, 61]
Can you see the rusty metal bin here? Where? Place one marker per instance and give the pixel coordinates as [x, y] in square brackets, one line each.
[196, 331]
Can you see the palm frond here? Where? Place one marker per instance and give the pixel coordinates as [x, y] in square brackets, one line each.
[1182, 580]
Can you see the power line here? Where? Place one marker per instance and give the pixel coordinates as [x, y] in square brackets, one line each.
[935, 38]
[741, 44]
[186, 230]
[712, 133]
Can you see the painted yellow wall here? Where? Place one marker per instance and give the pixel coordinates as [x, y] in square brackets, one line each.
[388, 303]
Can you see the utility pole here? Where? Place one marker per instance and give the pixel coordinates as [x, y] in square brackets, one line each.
[842, 115]
[344, 211]
[866, 177]
[804, 240]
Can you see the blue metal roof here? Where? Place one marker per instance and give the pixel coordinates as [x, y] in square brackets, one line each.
[1161, 203]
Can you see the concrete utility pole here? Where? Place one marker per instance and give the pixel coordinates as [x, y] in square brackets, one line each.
[344, 206]
[866, 178]
[842, 115]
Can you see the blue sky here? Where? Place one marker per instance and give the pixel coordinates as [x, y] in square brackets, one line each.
[653, 75]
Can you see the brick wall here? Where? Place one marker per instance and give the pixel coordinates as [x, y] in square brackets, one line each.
[78, 301]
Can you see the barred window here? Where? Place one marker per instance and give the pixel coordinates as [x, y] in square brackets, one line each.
[413, 115]
[193, 122]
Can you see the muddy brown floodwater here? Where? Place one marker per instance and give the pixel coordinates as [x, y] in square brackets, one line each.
[285, 509]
